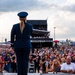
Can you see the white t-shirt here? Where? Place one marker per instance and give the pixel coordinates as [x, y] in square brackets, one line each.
[66, 66]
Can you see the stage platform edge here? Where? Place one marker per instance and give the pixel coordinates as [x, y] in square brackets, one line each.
[38, 74]
[16, 74]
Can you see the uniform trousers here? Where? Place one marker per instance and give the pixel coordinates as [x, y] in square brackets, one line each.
[22, 55]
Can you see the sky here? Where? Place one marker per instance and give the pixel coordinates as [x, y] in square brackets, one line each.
[58, 13]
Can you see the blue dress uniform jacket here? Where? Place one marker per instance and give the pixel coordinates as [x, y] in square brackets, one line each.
[21, 43]
[21, 40]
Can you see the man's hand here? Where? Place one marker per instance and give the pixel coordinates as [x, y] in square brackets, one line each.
[70, 71]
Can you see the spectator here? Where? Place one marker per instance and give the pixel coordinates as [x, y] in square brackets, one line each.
[73, 58]
[68, 67]
[13, 64]
[63, 60]
[7, 60]
[37, 61]
[1, 63]
[48, 65]
[55, 66]
[44, 62]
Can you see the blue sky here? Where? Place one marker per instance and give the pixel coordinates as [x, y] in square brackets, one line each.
[59, 14]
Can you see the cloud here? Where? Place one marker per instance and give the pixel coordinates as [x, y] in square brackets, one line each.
[64, 22]
[60, 13]
[16, 5]
[64, 5]
[70, 8]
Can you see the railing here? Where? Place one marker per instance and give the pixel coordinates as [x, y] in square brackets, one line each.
[41, 40]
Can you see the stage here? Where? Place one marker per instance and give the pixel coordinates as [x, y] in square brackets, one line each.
[38, 74]
[16, 74]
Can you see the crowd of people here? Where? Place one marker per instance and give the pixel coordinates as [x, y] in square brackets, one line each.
[60, 59]
[7, 60]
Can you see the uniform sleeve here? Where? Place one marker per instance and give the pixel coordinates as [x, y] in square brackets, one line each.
[12, 36]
